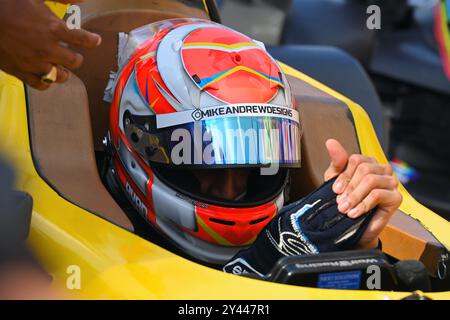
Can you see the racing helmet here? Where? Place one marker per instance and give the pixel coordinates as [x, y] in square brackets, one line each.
[191, 94]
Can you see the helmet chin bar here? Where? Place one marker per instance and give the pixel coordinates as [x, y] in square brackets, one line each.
[178, 217]
[176, 214]
[195, 247]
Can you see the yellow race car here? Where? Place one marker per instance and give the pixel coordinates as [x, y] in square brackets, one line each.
[52, 139]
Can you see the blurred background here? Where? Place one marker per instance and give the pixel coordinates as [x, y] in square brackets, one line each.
[397, 72]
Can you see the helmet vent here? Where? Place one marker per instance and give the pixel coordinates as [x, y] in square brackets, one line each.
[225, 222]
[259, 220]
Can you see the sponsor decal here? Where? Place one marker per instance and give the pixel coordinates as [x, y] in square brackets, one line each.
[240, 267]
[339, 263]
[231, 110]
[340, 280]
[136, 201]
[192, 201]
[200, 114]
[291, 243]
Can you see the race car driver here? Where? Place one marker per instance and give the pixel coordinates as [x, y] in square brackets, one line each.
[198, 114]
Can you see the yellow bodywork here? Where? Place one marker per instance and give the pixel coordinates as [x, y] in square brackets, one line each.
[116, 264]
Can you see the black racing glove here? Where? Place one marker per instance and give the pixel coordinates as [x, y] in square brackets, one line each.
[309, 226]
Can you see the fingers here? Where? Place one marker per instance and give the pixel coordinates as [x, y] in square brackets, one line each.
[33, 81]
[36, 41]
[363, 186]
[379, 220]
[66, 57]
[76, 37]
[360, 196]
[63, 75]
[31, 74]
[83, 38]
[360, 173]
[37, 68]
[344, 178]
[338, 159]
[387, 200]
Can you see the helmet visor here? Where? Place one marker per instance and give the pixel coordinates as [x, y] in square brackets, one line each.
[224, 136]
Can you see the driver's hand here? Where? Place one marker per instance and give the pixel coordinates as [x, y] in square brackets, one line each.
[363, 184]
[30, 42]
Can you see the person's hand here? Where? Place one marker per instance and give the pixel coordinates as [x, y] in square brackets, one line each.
[363, 184]
[32, 41]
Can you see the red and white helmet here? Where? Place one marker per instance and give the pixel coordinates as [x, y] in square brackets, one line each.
[193, 94]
